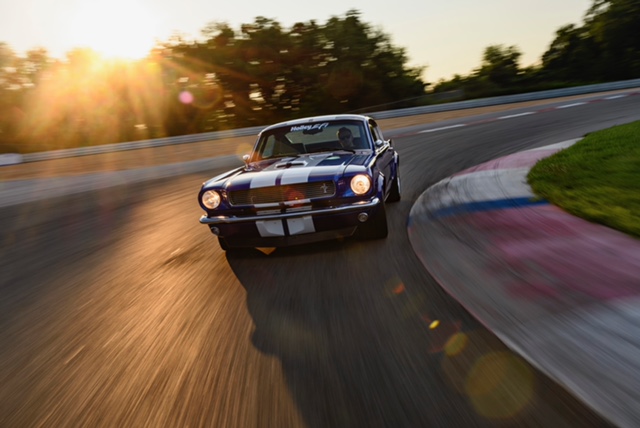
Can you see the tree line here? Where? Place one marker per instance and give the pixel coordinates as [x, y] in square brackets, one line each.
[262, 72]
[229, 79]
[605, 48]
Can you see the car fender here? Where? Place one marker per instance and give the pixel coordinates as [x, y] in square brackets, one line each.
[380, 188]
[223, 176]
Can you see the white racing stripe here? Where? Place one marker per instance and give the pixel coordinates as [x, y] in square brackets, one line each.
[265, 180]
[268, 228]
[295, 175]
[298, 226]
[297, 172]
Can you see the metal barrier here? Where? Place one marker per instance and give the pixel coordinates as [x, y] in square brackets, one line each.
[243, 132]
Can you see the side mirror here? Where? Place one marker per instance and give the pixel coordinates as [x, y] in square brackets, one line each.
[246, 158]
[383, 144]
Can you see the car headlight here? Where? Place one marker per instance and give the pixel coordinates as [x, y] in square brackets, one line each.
[360, 184]
[211, 199]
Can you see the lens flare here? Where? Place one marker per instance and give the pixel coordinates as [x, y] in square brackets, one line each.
[394, 287]
[500, 385]
[441, 333]
[185, 97]
[456, 344]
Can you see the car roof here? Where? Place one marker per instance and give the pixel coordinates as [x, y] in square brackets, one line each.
[319, 119]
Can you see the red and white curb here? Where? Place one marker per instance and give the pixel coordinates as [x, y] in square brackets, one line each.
[561, 291]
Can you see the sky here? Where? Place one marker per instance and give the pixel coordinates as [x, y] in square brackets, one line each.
[447, 37]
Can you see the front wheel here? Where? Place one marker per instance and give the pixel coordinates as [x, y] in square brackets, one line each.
[394, 193]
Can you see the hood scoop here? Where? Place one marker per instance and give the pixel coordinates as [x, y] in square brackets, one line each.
[289, 164]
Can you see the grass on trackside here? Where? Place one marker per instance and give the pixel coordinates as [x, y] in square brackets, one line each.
[597, 178]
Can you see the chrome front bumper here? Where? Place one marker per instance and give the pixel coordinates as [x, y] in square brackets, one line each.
[279, 216]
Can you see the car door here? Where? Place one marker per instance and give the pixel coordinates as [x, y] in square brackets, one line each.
[385, 154]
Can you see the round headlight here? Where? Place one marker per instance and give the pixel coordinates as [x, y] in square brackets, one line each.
[211, 199]
[360, 184]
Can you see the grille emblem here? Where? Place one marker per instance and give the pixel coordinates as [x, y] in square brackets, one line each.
[324, 188]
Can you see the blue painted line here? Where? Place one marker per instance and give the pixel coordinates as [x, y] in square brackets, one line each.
[474, 207]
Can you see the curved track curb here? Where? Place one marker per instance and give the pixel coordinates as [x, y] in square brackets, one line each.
[562, 292]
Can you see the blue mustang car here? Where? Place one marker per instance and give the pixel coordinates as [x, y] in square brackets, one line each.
[306, 180]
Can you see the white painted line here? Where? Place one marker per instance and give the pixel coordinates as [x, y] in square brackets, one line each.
[613, 97]
[571, 105]
[517, 115]
[441, 129]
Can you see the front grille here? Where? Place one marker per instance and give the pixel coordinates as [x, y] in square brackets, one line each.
[290, 192]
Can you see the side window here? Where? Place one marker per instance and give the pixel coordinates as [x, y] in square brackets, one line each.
[375, 132]
[360, 137]
[267, 146]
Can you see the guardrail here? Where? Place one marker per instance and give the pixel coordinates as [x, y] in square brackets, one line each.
[508, 99]
[134, 145]
[243, 132]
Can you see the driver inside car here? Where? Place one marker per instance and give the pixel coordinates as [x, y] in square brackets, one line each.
[345, 137]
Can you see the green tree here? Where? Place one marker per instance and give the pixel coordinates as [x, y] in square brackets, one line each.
[11, 99]
[10, 78]
[605, 48]
[364, 70]
[573, 56]
[500, 65]
[266, 73]
[615, 24]
[255, 75]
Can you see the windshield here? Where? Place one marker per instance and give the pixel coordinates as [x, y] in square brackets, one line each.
[314, 137]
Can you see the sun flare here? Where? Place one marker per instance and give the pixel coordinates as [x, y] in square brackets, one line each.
[116, 29]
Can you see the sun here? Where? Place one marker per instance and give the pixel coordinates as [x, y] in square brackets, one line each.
[115, 29]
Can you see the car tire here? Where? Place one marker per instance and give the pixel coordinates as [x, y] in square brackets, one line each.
[394, 193]
[376, 227]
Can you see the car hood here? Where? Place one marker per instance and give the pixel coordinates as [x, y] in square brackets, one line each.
[292, 170]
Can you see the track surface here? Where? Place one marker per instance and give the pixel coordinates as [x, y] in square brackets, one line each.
[125, 313]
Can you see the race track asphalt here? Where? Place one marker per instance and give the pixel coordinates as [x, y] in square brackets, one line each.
[560, 291]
